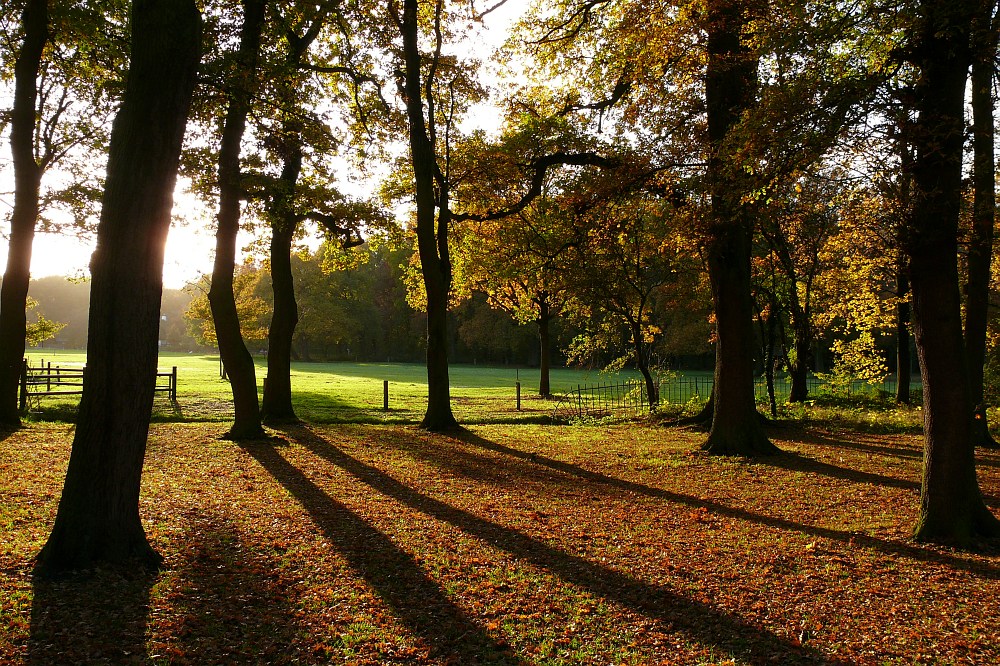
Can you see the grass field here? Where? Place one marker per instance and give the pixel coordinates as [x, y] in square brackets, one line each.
[346, 392]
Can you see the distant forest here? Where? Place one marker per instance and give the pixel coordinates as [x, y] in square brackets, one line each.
[358, 312]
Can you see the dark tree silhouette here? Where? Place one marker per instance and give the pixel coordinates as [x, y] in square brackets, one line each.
[27, 181]
[237, 359]
[951, 505]
[98, 516]
[730, 89]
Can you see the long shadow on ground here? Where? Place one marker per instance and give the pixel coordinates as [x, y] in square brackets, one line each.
[704, 623]
[93, 617]
[393, 574]
[230, 608]
[882, 545]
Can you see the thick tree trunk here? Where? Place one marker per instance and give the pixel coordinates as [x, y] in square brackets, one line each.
[277, 403]
[730, 89]
[977, 288]
[432, 231]
[235, 355]
[544, 347]
[799, 370]
[27, 181]
[903, 359]
[951, 505]
[98, 517]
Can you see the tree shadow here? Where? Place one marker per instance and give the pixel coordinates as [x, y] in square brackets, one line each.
[90, 617]
[983, 458]
[887, 547]
[704, 623]
[796, 462]
[439, 451]
[394, 574]
[319, 407]
[230, 609]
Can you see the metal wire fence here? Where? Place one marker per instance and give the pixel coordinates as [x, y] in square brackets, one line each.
[629, 398]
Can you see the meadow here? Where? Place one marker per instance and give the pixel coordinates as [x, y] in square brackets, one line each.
[513, 541]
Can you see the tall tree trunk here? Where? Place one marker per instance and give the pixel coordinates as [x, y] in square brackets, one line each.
[730, 89]
[277, 403]
[27, 181]
[799, 369]
[235, 355]
[432, 230]
[951, 505]
[903, 359]
[977, 287]
[98, 516]
[544, 347]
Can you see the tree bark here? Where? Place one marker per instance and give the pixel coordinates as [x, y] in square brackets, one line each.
[432, 230]
[730, 89]
[903, 359]
[799, 370]
[952, 510]
[977, 287]
[27, 182]
[544, 347]
[98, 516]
[277, 403]
[235, 355]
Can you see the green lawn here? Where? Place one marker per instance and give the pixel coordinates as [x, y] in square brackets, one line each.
[339, 392]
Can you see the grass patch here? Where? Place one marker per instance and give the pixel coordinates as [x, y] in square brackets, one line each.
[509, 544]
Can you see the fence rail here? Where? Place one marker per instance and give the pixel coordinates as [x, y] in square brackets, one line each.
[629, 398]
[47, 380]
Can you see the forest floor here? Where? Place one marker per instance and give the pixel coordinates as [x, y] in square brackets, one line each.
[506, 544]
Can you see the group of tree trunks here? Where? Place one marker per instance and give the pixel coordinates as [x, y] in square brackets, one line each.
[98, 518]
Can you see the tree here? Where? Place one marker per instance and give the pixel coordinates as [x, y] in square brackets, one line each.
[98, 517]
[64, 88]
[28, 176]
[41, 329]
[951, 505]
[251, 308]
[431, 196]
[241, 86]
[977, 287]
[730, 91]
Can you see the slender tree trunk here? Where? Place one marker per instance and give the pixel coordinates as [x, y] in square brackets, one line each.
[730, 89]
[277, 403]
[951, 505]
[235, 355]
[903, 359]
[544, 348]
[432, 231]
[977, 287]
[770, 335]
[642, 365]
[98, 516]
[27, 181]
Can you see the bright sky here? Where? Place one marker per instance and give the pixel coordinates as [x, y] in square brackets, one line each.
[191, 242]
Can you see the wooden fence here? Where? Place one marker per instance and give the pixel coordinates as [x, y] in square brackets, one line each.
[47, 380]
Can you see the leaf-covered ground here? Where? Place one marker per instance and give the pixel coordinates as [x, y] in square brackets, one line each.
[513, 544]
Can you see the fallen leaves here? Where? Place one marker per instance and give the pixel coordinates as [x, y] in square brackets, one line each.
[515, 544]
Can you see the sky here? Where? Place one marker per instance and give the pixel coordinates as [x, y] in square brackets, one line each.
[191, 241]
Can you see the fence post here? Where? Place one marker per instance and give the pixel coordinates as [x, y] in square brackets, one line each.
[385, 395]
[173, 384]
[518, 385]
[24, 385]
